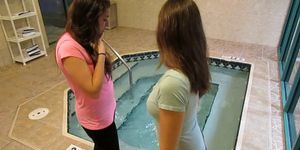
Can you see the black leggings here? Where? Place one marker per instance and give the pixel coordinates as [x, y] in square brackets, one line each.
[104, 139]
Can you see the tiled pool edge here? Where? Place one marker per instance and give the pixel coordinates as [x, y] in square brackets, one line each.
[65, 122]
[243, 121]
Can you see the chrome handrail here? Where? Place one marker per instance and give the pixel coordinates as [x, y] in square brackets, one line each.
[122, 60]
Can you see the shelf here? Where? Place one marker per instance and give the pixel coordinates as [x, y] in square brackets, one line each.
[15, 35]
[18, 39]
[26, 59]
[8, 18]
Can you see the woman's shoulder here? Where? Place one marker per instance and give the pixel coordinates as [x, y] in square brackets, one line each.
[68, 47]
[66, 38]
[174, 78]
[66, 41]
[176, 75]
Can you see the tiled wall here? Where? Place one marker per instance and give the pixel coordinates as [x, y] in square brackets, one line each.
[247, 21]
[141, 14]
[5, 57]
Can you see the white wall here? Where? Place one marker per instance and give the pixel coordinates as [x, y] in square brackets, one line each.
[249, 21]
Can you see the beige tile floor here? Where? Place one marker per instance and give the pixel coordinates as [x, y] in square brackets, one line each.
[40, 84]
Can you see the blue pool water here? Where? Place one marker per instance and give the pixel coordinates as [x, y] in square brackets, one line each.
[139, 124]
[218, 116]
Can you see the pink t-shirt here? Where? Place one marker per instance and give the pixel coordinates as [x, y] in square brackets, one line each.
[92, 113]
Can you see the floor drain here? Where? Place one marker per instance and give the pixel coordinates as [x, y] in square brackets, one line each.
[74, 147]
[38, 113]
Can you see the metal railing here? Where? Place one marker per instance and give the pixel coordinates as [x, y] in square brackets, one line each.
[122, 60]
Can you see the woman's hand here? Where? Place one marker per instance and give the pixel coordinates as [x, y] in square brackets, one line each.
[101, 46]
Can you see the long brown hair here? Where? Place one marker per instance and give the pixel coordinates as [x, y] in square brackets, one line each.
[182, 42]
[83, 25]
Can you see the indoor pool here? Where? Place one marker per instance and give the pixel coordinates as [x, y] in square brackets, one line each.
[219, 114]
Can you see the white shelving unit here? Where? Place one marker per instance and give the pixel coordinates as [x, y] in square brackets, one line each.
[11, 21]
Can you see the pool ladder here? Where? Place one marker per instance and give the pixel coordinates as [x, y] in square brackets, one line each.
[122, 60]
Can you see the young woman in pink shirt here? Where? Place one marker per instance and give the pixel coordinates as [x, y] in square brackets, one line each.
[81, 56]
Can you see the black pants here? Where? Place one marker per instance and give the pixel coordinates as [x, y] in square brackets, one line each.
[104, 139]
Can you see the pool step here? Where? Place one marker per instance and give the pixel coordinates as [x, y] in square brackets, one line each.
[141, 69]
[121, 79]
[128, 101]
[122, 70]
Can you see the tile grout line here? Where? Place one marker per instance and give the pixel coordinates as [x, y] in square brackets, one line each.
[270, 145]
[16, 116]
[6, 145]
[16, 139]
[32, 98]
